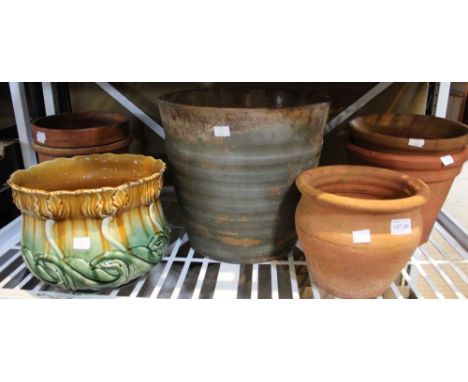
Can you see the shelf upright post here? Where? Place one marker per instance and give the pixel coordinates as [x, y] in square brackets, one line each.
[23, 121]
[442, 99]
[49, 98]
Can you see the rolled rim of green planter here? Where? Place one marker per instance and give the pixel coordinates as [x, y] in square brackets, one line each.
[410, 133]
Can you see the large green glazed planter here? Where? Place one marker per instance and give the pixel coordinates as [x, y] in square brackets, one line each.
[91, 222]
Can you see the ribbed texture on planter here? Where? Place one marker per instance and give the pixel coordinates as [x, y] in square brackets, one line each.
[358, 226]
[235, 156]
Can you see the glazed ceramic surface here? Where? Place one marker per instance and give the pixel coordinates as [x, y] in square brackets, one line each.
[358, 226]
[393, 132]
[235, 154]
[91, 222]
[429, 168]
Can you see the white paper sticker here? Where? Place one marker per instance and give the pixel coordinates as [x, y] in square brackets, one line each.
[82, 242]
[400, 227]
[221, 131]
[41, 137]
[416, 142]
[361, 236]
[447, 160]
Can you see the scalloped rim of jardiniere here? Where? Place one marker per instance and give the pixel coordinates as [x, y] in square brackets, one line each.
[365, 131]
[313, 98]
[81, 191]
[316, 176]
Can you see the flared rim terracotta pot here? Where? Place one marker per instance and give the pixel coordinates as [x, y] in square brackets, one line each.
[358, 226]
[409, 133]
[47, 153]
[80, 129]
[432, 169]
[91, 222]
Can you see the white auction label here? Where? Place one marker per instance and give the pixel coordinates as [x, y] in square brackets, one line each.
[361, 236]
[416, 142]
[400, 227]
[41, 137]
[83, 242]
[221, 131]
[447, 160]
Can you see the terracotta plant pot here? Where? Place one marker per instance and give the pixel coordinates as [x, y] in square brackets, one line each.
[409, 133]
[91, 222]
[45, 153]
[70, 134]
[87, 129]
[235, 154]
[358, 226]
[428, 168]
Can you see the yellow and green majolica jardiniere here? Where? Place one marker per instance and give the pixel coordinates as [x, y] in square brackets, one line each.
[92, 222]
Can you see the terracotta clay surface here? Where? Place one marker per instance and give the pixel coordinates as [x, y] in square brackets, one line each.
[47, 153]
[428, 168]
[75, 130]
[339, 206]
[392, 132]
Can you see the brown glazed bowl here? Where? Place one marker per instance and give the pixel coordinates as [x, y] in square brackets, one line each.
[358, 226]
[75, 130]
[392, 132]
[428, 168]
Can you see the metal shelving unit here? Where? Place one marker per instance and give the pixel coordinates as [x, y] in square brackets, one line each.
[438, 269]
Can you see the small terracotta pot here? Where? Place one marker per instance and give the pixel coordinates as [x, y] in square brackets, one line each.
[392, 132]
[76, 130]
[48, 153]
[428, 168]
[358, 226]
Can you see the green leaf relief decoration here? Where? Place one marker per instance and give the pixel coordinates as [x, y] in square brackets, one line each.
[116, 267]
